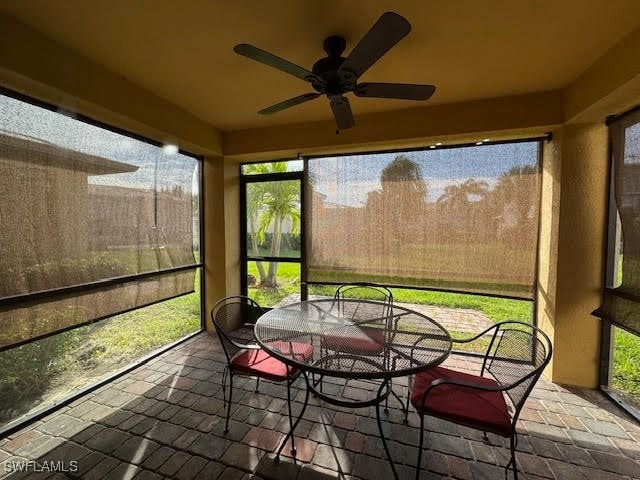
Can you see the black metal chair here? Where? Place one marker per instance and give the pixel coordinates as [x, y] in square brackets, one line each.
[365, 291]
[240, 314]
[361, 338]
[515, 356]
[232, 315]
[365, 339]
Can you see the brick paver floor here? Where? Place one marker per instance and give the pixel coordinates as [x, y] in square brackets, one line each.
[166, 420]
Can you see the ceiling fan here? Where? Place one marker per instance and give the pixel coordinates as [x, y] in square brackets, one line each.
[335, 75]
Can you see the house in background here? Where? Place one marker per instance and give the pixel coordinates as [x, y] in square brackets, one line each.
[61, 179]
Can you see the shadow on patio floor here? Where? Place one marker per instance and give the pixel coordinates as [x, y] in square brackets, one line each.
[166, 420]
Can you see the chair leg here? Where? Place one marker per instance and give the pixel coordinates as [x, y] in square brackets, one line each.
[514, 444]
[293, 427]
[224, 384]
[420, 445]
[293, 445]
[386, 400]
[406, 406]
[323, 352]
[385, 385]
[226, 425]
[257, 384]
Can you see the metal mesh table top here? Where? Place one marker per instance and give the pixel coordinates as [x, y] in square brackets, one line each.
[352, 338]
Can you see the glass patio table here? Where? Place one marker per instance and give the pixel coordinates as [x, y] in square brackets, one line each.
[352, 341]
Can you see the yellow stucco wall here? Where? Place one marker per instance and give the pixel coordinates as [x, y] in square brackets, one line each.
[221, 231]
[232, 226]
[572, 250]
[548, 242]
[214, 233]
[505, 117]
[31, 64]
[611, 84]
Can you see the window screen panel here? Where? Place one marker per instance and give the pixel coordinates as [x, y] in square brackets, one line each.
[36, 318]
[621, 305]
[83, 205]
[464, 219]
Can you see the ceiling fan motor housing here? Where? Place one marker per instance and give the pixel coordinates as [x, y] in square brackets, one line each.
[327, 68]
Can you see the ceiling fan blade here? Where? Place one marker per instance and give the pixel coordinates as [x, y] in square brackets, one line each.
[255, 53]
[342, 112]
[288, 103]
[404, 91]
[385, 33]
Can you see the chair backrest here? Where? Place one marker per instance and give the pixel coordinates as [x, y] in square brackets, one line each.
[364, 291]
[228, 315]
[516, 357]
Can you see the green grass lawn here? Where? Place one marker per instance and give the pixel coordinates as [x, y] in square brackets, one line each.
[288, 283]
[124, 338]
[497, 309]
[40, 373]
[626, 366]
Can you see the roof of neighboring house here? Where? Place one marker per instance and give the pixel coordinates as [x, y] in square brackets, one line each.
[33, 150]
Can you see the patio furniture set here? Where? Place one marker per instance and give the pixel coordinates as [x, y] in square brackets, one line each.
[360, 334]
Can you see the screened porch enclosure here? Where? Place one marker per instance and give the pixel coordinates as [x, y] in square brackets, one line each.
[127, 134]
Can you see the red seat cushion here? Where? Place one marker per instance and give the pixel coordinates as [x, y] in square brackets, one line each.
[480, 409]
[354, 339]
[261, 364]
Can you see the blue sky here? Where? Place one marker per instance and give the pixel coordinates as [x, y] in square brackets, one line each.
[439, 168]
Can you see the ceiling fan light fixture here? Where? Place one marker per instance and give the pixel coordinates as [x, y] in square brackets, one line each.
[170, 149]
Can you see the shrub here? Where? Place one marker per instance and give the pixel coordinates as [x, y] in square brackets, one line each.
[26, 372]
[66, 272]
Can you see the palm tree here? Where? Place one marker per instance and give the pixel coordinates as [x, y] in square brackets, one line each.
[281, 202]
[255, 192]
[515, 192]
[457, 196]
[462, 203]
[403, 197]
[269, 206]
[403, 169]
[516, 186]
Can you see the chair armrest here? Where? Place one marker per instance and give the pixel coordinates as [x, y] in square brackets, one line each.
[246, 346]
[463, 383]
[422, 338]
[475, 337]
[251, 345]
